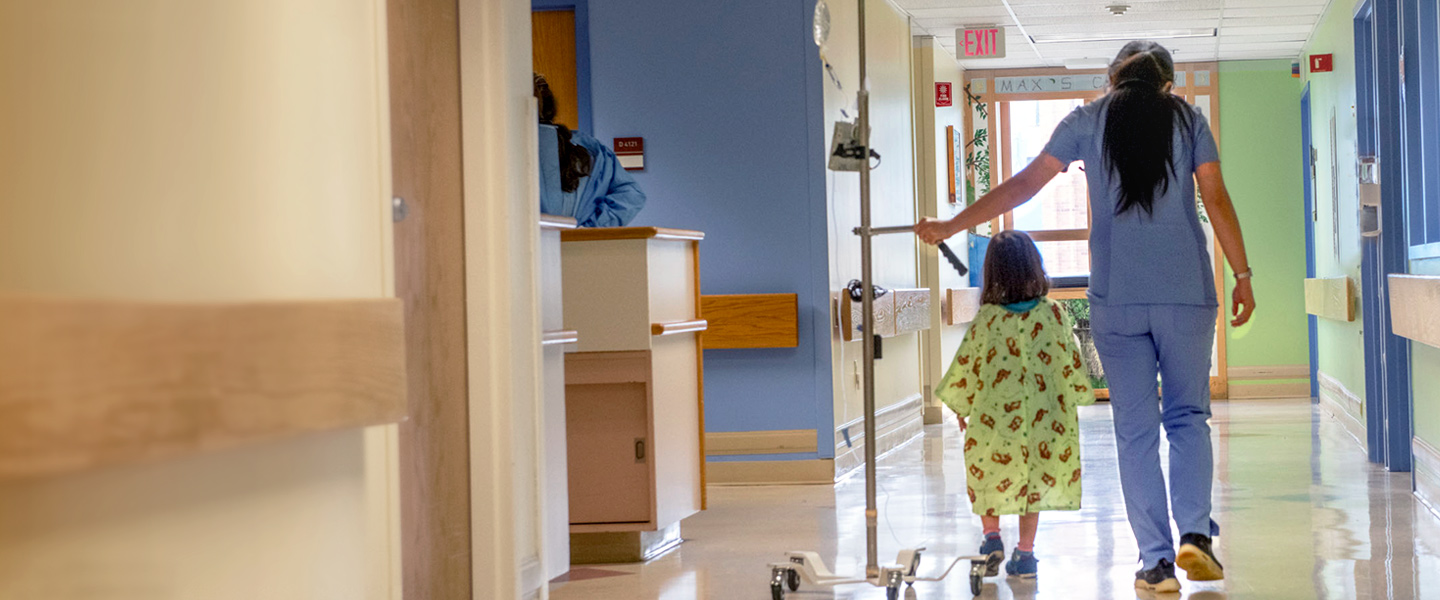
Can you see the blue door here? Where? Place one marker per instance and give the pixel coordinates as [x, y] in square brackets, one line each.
[1381, 120]
[1307, 170]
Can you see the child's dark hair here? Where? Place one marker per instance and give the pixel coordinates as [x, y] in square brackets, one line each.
[1014, 271]
[574, 159]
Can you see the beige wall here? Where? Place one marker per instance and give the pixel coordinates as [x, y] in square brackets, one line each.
[933, 63]
[892, 193]
[200, 151]
[502, 214]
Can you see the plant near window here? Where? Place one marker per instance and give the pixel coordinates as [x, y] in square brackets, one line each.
[977, 151]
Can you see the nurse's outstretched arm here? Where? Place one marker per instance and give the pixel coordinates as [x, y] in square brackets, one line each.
[1227, 232]
[1005, 197]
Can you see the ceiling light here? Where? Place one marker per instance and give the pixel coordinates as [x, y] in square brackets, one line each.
[1165, 34]
[1118, 9]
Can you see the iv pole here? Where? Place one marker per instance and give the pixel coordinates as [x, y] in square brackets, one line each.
[808, 566]
[867, 301]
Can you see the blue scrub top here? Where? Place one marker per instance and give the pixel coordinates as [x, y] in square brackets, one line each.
[607, 197]
[1139, 258]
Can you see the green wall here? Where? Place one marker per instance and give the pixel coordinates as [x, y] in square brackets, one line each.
[1425, 374]
[1332, 95]
[1341, 345]
[1259, 153]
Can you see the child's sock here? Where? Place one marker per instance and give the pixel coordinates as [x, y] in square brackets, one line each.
[995, 533]
[1024, 547]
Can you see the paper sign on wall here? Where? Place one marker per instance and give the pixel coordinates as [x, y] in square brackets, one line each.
[631, 152]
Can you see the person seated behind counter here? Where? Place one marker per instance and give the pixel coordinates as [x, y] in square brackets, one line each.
[593, 187]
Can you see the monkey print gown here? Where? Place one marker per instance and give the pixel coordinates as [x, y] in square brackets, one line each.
[1019, 377]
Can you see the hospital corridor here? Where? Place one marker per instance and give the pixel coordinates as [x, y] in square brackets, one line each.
[720, 300]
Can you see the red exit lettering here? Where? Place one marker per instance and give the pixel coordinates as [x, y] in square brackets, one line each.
[986, 42]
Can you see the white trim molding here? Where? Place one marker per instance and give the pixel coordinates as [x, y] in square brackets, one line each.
[895, 425]
[1256, 391]
[1268, 372]
[1427, 474]
[1345, 406]
[770, 472]
[731, 443]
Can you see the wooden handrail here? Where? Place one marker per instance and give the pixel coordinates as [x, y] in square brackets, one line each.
[85, 384]
[594, 234]
[678, 327]
[1414, 300]
[751, 320]
[559, 336]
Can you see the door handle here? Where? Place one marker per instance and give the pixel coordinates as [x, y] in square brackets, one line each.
[639, 450]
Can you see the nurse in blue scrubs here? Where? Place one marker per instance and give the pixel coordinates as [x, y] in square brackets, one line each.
[579, 176]
[1152, 291]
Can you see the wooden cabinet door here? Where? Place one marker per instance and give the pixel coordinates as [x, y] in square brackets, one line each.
[609, 453]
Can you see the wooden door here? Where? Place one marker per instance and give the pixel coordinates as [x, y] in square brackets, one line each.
[430, 278]
[553, 35]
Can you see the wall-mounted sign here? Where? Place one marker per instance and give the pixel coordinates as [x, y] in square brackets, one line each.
[980, 42]
[943, 95]
[631, 152]
[1322, 63]
[1049, 83]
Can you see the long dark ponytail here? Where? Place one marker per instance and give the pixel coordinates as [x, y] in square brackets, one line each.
[574, 159]
[1140, 125]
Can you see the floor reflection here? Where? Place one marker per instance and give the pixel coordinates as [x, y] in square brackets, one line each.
[1303, 515]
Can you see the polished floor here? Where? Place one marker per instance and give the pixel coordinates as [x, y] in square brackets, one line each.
[1303, 515]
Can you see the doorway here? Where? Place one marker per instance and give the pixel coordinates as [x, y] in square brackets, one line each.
[1023, 106]
[559, 31]
[1380, 125]
[1307, 170]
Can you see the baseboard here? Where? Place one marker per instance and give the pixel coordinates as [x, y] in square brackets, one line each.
[732, 443]
[771, 472]
[1268, 372]
[1427, 473]
[532, 576]
[1255, 391]
[1345, 406]
[895, 425]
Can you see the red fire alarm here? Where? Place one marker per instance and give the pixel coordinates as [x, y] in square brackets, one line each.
[942, 94]
[631, 152]
[1322, 63]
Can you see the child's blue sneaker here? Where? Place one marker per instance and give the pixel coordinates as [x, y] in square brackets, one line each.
[1022, 565]
[994, 551]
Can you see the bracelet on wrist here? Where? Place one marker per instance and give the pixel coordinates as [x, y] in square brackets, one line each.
[1245, 275]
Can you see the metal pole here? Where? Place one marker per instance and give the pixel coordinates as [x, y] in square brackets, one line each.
[872, 562]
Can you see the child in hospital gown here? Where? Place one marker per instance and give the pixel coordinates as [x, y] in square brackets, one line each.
[1015, 383]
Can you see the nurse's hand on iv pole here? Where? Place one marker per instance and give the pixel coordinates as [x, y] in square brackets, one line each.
[1242, 302]
[934, 231]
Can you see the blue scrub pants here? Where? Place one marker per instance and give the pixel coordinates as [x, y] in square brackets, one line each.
[1136, 343]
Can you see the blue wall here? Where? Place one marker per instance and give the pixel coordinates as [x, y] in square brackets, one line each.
[727, 96]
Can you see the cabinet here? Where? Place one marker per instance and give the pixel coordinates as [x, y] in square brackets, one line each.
[633, 387]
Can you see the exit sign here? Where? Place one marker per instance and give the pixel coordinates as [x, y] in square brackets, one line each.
[980, 42]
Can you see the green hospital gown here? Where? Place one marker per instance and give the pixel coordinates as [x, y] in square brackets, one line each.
[1019, 377]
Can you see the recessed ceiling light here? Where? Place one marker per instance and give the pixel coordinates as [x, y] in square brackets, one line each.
[1118, 9]
[1166, 34]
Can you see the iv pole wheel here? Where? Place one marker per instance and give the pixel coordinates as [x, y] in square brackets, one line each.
[778, 578]
[792, 580]
[977, 577]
